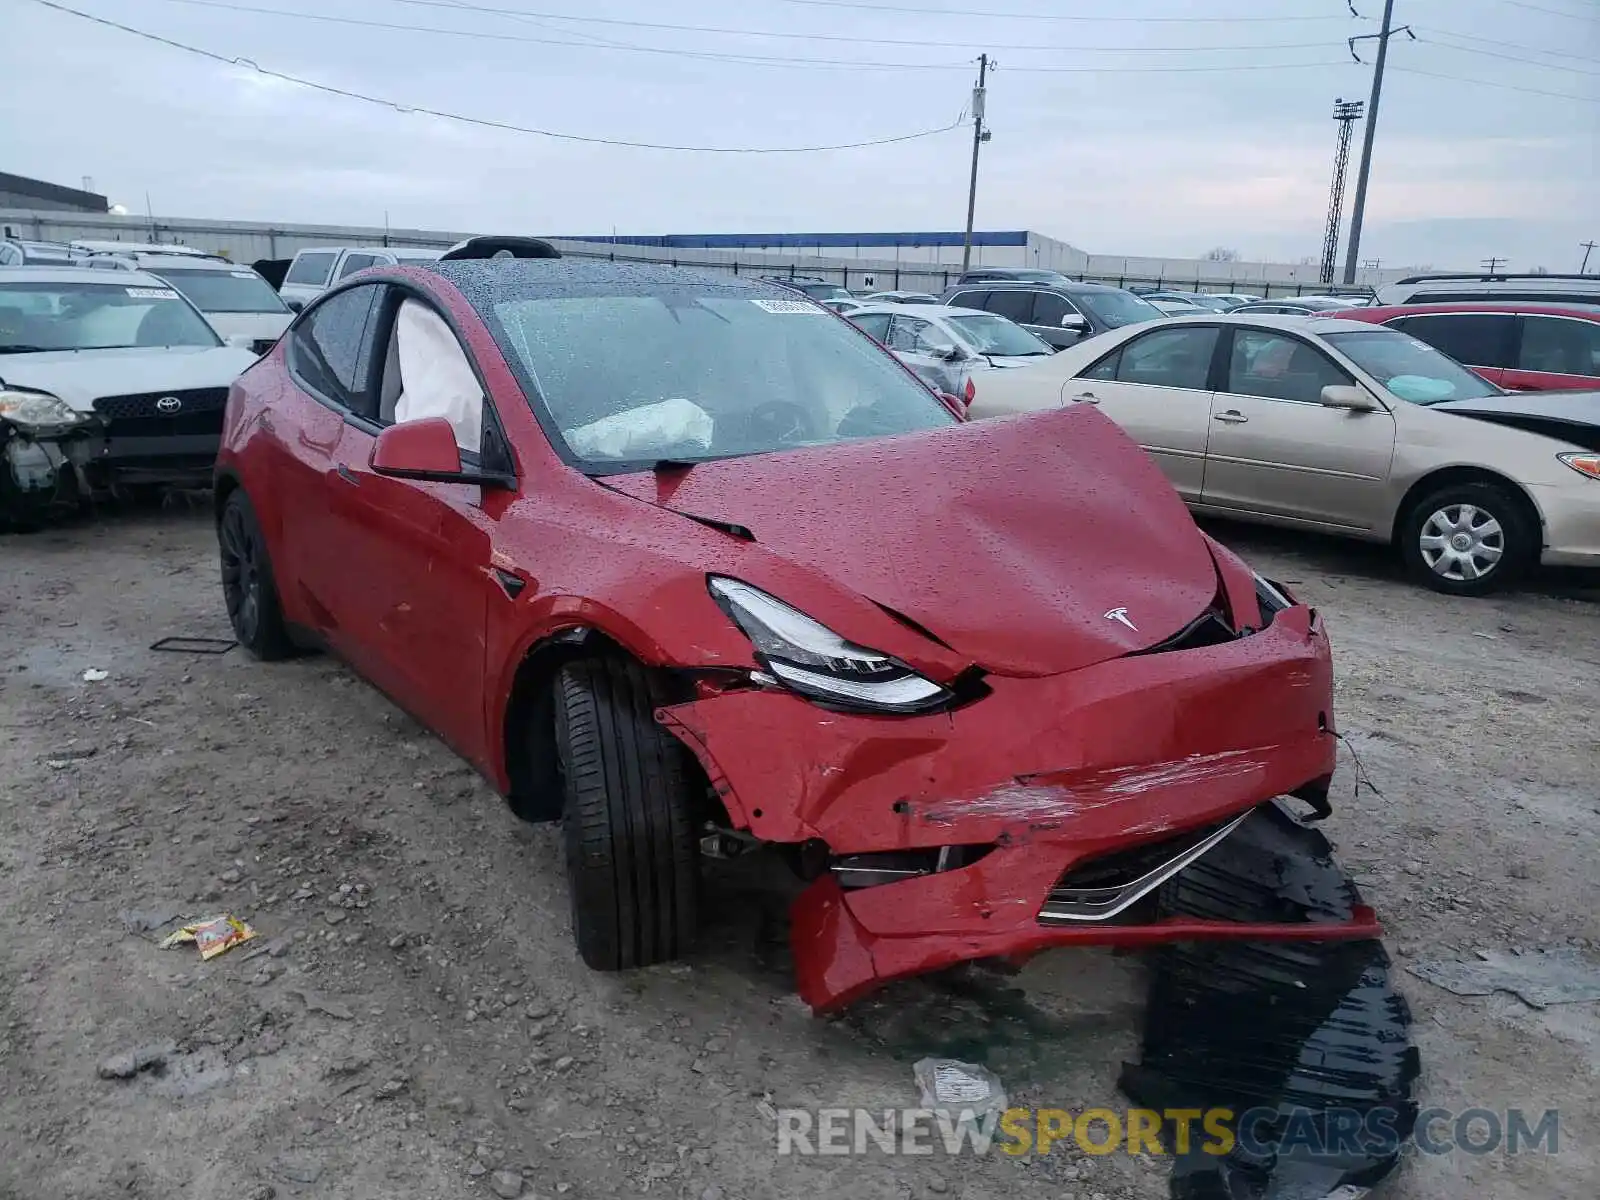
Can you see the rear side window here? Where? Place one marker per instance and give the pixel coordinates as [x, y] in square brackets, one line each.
[1475, 339]
[1177, 358]
[1560, 345]
[968, 299]
[1013, 305]
[356, 262]
[311, 268]
[330, 346]
[875, 325]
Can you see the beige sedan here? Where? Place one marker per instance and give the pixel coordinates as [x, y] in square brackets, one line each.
[1329, 424]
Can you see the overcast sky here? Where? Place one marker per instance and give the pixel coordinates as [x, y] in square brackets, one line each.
[1092, 142]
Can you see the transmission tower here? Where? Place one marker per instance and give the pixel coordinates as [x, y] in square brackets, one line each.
[1347, 113]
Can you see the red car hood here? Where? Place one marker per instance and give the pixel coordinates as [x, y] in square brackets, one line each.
[1013, 541]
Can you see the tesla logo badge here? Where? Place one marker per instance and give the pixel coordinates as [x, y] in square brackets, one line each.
[168, 404]
[1121, 614]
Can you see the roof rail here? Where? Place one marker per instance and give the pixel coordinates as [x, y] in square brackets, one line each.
[1481, 278]
[498, 246]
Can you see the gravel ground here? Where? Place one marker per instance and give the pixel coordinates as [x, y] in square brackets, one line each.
[413, 1019]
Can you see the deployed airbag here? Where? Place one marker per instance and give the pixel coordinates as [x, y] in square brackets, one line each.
[435, 377]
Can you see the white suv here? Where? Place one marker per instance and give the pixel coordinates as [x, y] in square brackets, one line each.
[240, 305]
[317, 268]
[1526, 289]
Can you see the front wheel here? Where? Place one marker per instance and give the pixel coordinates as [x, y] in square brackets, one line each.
[627, 817]
[247, 584]
[1468, 539]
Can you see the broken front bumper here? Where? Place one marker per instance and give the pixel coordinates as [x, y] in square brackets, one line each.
[1029, 782]
[41, 474]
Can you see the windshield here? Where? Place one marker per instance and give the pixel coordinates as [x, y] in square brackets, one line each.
[1117, 308]
[224, 291]
[632, 379]
[96, 316]
[989, 334]
[1411, 370]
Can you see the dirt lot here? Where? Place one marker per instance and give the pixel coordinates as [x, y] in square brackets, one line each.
[419, 1024]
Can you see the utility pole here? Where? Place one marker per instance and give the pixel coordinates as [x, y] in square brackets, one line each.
[1588, 248]
[1359, 211]
[1491, 265]
[1345, 112]
[979, 136]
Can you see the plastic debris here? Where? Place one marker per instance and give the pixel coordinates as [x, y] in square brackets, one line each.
[1541, 979]
[194, 645]
[95, 675]
[213, 936]
[963, 1087]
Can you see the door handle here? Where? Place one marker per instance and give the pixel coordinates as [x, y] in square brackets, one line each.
[1232, 417]
[1087, 398]
[349, 476]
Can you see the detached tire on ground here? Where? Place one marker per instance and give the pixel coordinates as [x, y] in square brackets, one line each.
[247, 584]
[627, 819]
[1468, 539]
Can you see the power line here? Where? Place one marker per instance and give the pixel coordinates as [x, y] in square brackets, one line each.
[1554, 12]
[482, 122]
[1508, 57]
[716, 56]
[1512, 45]
[720, 30]
[1488, 83]
[1025, 16]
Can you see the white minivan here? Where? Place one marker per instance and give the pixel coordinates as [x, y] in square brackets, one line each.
[317, 268]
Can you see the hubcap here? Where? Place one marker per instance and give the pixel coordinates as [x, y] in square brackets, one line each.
[1462, 542]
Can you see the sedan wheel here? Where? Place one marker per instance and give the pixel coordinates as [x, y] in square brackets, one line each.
[1468, 539]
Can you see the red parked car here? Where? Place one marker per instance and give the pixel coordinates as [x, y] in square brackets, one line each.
[1523, 347]
[690, 564]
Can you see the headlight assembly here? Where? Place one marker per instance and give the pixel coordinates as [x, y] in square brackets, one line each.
[37, 412]
[809, 658]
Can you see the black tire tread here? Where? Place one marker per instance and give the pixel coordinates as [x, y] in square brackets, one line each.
[272, 641]
[632, 862]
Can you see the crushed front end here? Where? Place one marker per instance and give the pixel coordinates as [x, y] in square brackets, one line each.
[1038, 812]
[43, 459]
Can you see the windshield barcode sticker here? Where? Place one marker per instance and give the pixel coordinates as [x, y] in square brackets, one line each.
[789, 306]
[152, 293]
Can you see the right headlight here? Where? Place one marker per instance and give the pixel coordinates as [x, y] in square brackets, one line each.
[809, 658]
[1583, 463]
[37, 412]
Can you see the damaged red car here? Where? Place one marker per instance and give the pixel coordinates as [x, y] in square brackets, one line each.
[690, 564]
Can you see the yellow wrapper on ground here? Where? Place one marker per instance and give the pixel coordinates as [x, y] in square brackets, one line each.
[212, 936]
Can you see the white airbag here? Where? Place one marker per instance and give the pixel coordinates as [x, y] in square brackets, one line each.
[436, 378]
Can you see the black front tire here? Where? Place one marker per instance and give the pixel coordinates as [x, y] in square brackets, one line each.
[247, 584]
[1469, 539]
[627, 820]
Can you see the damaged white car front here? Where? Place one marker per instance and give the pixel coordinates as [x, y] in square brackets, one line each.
[45, 444]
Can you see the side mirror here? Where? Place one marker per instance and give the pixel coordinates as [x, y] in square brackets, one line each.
[427, 450]
[1344, 395]
[1074, 320]
[293, 303]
